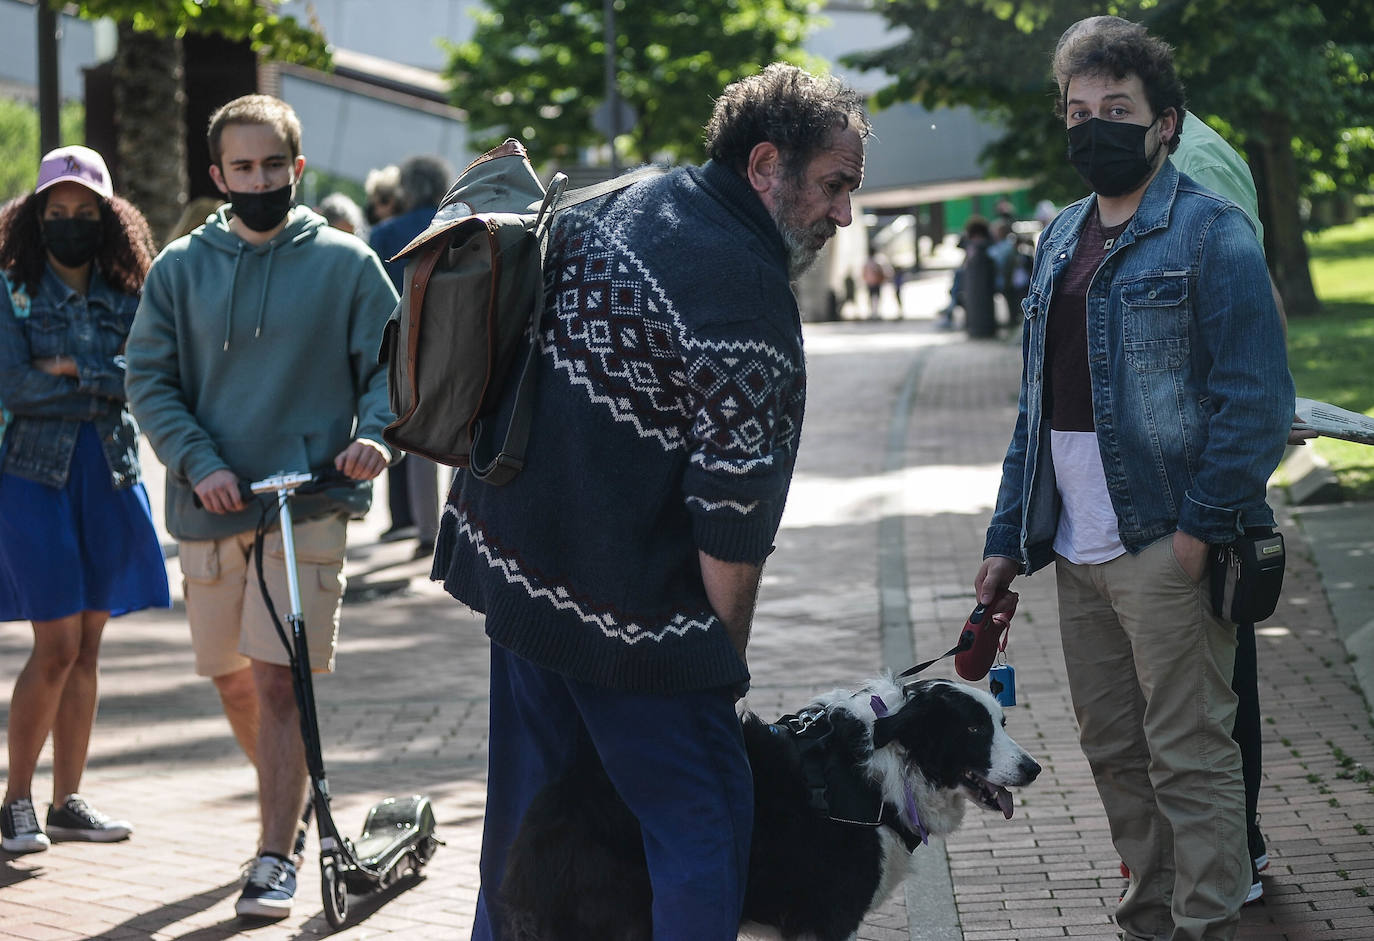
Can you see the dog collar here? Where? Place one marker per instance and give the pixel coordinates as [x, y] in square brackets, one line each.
[880, 711]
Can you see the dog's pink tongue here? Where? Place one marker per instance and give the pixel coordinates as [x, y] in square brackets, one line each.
[1004, 802]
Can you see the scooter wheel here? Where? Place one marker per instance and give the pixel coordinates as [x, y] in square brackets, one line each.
[334, 890]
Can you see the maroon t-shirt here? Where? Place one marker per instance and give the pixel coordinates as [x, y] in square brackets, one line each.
[1066, 333]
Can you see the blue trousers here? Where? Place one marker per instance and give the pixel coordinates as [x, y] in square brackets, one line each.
[678, 762]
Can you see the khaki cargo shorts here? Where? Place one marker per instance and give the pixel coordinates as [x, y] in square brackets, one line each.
[229, 621]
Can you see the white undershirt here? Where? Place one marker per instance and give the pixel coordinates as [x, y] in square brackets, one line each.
[1087, 532]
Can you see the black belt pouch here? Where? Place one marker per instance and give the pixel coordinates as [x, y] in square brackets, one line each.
[1247, 575]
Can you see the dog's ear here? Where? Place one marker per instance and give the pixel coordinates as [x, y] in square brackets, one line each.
[884, 730]
[889, 727]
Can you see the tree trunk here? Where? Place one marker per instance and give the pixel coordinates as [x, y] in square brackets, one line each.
[1276, 179]
[151, 122]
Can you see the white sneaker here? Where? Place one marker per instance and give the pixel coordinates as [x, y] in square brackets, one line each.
[19, 829]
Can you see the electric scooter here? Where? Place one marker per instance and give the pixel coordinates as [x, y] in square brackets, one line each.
[398, 836]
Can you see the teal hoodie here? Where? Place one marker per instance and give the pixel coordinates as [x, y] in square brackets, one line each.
[258, 359]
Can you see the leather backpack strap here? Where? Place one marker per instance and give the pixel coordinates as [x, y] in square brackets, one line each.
[424, 267]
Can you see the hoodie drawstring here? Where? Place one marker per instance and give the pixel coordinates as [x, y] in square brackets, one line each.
[262, 297]
[266, 279]
[233, 283]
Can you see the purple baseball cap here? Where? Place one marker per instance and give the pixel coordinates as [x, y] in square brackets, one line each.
[75, 164]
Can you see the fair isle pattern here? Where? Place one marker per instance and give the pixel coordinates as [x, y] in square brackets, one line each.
[561, 598]
[619, 338]
[742, 509]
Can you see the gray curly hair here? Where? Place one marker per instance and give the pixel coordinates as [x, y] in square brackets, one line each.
[786, 106]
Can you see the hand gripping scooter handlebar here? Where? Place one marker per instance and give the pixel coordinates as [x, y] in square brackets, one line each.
[398, 833]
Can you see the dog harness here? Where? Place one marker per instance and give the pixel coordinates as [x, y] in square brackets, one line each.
[835, 786]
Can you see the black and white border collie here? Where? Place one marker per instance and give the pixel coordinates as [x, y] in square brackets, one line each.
[844, 792]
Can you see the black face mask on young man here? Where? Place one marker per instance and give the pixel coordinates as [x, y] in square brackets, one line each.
[262, 212]
[1110, 155]
[73, 241]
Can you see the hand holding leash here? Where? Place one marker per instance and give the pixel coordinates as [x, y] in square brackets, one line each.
[989, 624]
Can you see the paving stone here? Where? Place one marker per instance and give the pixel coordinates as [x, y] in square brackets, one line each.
[406, 711]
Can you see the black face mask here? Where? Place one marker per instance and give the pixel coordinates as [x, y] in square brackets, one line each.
[262, 212]
[370, 212]
[1110, 155]
[73, 241]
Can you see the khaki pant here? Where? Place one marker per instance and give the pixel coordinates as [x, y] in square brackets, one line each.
[230, 623]
[1149, 670]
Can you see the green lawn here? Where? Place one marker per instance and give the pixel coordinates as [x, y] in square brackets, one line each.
[1332, 355]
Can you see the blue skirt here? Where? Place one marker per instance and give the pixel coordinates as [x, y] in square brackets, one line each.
[82, 547]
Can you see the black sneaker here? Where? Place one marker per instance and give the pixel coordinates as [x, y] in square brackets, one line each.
[19, 829]
[78, 820]
[270, 890]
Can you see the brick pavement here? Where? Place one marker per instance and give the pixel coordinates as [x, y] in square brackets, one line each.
[407, 709]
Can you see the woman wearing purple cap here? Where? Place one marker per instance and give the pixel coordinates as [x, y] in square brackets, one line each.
[77, 543]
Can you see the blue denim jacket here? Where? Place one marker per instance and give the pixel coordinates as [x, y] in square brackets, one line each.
[1192, 399]
[47, 411]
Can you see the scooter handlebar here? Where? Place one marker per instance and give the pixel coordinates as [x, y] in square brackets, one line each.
[325, 478]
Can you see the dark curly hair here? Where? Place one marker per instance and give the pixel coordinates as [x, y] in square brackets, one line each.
[126, 250]
[786, 106]
[1109, 45]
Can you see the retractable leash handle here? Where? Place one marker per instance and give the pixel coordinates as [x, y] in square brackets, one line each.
[982, 637]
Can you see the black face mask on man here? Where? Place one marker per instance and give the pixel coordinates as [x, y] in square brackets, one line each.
[262, 212]
[1110, 155]
[73, 242]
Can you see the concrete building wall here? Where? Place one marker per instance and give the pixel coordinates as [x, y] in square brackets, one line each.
[76, 49]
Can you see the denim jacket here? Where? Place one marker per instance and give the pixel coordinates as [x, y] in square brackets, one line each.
[46, 411]
[1192, 399]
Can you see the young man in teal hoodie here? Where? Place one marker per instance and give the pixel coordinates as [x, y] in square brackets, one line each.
[254, 351]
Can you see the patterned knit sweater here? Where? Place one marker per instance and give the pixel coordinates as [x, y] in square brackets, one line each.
[669, 402]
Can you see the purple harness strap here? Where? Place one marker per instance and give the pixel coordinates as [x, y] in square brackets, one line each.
[880, 710]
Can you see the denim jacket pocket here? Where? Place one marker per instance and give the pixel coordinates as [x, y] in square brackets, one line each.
[1156, 316]
[47, 335]
[114, 328]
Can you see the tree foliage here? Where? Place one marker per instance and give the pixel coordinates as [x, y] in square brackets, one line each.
[1286, 81]
[535, 68]
[1309, 60]
[273, 36]
[19, 143]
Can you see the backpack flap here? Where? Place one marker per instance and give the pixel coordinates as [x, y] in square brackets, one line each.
[500, 181]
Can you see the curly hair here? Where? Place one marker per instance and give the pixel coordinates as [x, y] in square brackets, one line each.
[1109, 45]
[126, 249]
[786, 106]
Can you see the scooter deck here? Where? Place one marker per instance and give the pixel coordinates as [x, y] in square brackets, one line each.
[396, 829]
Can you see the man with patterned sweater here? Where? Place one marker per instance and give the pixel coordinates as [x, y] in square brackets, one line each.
[618, 571]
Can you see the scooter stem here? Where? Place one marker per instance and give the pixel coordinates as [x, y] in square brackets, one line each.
[288, 544]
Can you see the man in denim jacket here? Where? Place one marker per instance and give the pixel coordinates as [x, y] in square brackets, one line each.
[1154, 405]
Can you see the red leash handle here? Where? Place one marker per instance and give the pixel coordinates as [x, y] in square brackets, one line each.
[990, 626]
